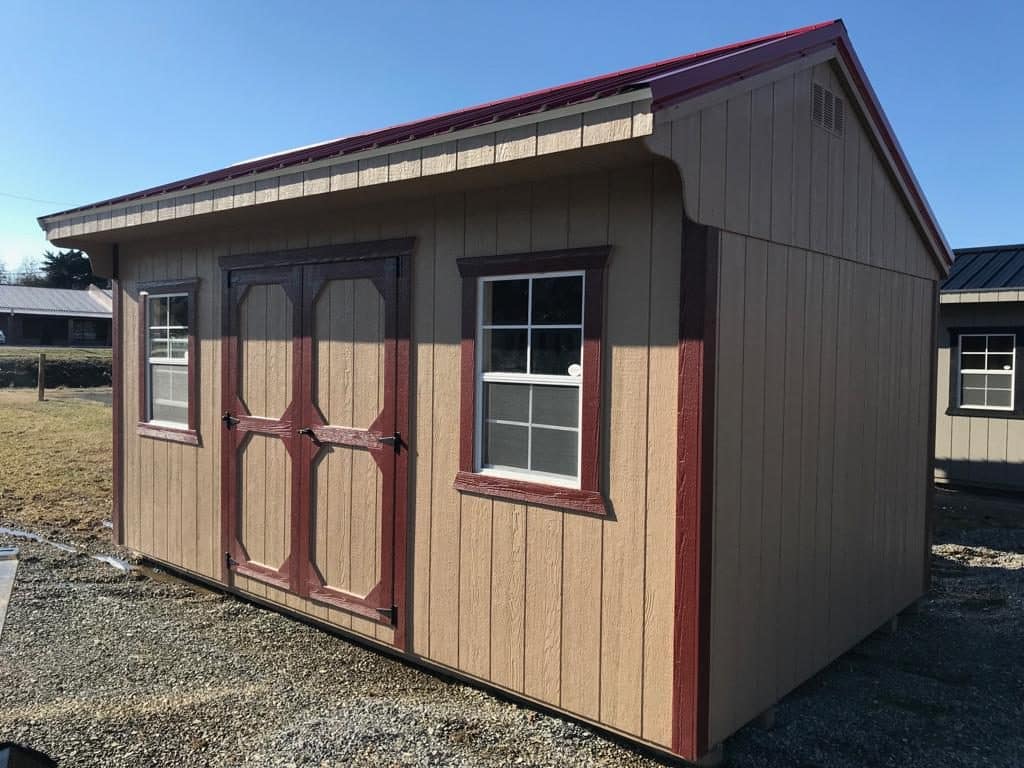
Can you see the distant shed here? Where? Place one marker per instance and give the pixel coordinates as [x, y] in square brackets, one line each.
[979, 436]
[614, 396]
[56, 317]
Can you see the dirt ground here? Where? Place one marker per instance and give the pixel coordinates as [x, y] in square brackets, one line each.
[102, 668]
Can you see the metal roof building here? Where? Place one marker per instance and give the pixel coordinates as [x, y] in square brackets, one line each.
[979, 430]
[32, 316]
[24, 300]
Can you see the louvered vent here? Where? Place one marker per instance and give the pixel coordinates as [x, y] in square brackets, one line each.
[827, 110]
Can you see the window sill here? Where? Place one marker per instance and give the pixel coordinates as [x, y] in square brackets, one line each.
[587, 502]
[186, 436]
[984, 413]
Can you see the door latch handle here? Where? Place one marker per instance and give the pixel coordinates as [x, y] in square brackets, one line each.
[228, 419]
[392, 440]
[308, 431]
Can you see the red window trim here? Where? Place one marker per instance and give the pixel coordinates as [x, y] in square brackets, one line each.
[588, 498]
[189, 435]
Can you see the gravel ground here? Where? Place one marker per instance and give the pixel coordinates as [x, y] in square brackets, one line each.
[99, 668]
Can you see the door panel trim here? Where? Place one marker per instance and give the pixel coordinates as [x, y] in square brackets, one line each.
[399, 247]
[386, 263]
[382, 273]
[236, 285]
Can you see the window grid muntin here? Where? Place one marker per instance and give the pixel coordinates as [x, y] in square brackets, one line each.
[527, 378]
[151, 361]
[1011, 374]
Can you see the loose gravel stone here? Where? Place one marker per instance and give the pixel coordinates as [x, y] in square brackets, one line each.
[103, 668]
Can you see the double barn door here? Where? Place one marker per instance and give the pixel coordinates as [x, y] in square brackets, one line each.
[310, 440]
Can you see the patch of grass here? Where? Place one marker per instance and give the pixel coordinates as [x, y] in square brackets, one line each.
[55, 463]
[55, 353]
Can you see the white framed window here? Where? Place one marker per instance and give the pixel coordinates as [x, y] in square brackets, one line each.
[167, 359]
[529, 376]
[987, 370]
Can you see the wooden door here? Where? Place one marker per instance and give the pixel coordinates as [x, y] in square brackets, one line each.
[352, 444]
[311, 454]
[262, 463]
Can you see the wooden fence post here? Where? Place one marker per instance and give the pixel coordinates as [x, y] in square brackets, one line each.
[41, 376]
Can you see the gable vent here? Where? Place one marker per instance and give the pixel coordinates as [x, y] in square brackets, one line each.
[827, 110]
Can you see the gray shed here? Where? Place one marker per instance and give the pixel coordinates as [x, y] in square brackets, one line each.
[979, 430]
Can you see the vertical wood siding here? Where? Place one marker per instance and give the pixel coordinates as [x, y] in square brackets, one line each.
[820, 465]
[824, 354]
[824, 344]
[756, 165]
[570, 610]
[975, 450]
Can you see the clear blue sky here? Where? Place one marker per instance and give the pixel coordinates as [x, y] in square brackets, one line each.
[99, 99]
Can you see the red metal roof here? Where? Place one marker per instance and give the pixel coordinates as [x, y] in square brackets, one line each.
[670, 81]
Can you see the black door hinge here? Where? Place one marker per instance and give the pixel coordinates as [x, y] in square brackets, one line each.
[228, 419]
[229, 561]
[394, 440]
[389, 613]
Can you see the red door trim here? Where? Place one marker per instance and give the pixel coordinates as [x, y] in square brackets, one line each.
[117, 397]
[396, 285]
[694, 488]
[378, 605]
[236, 558]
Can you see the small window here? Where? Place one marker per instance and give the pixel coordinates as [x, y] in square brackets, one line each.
[167, 407]
[987, 363]
[531, 406]
[529, 376]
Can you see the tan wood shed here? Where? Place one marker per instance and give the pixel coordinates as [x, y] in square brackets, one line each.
[615, 397]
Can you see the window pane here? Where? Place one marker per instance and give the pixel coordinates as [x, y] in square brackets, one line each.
[169, 388]
[557, 406]
[994, 380]
[553, 350]
[158, 311]
[509, 402]
[1000, 362]
[558, 300]
[1000, 343]
[554, 450]
[972, 397]
[505, 445]
[158, 343]
[974, 362]
[1000, 398]
[178, 310]
[178, 343]
[972, 343]
[505, 302]
[505, 350]
[974, 380]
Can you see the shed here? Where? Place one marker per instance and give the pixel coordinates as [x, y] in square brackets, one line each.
[613, 396]
[56, 316]
[979, 436]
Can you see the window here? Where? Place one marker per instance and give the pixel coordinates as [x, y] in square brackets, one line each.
[987, 363]
[167, 377]
[531, 377]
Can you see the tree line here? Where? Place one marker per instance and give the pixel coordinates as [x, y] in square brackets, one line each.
[60, 269]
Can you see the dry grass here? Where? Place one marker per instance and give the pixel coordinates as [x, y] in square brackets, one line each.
[55, 464]
[55, 353]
